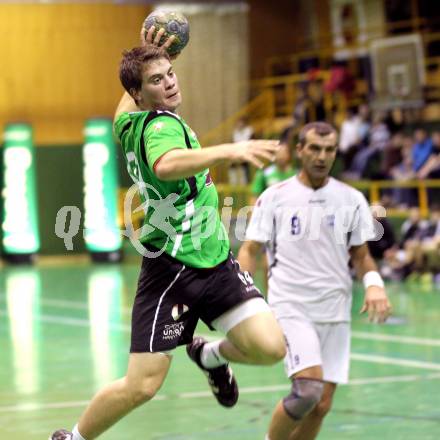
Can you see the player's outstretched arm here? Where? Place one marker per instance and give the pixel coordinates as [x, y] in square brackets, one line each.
[376, 302]
[182, 163]
[247, 255]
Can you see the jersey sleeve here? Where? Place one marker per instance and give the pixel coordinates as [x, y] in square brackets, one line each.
[260, 226]
[258, 185]
[162, 134]
[121, 125]
[363, 222]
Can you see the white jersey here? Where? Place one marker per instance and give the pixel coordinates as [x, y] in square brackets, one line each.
[308, 235]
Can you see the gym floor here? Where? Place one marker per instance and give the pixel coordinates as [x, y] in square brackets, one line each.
[64, 333]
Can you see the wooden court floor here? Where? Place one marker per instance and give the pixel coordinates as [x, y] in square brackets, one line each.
[64, 332]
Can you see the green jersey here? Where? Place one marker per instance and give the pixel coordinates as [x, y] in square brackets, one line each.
[181, 216]
[270, 176]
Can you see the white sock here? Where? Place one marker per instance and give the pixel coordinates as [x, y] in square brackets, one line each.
[210, 356]
[76, 434]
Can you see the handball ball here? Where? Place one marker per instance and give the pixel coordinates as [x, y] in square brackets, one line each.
[175, 24]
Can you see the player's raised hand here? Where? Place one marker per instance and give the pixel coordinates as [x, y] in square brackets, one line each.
[148, 38]
[376, 304]
[256, 152]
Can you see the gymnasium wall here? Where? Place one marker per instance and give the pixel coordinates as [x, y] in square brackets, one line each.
[60, 64]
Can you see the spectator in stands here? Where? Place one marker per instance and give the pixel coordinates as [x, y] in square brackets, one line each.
[395, 121]
[364, 123]
[354, 133]
[431, 168]
[379, 138]
[316, 93]
[303, 104]
[340, 80]
[402, 172]
[422, 149]
[392, 155]
[426, 248]
[418, 256]
[399, 259]
[239, 173]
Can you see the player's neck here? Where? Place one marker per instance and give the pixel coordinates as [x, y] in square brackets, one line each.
[305, 179]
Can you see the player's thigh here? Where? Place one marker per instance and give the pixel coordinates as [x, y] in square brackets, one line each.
[146, 372]
[258, 333]
[335, 351]
[303, 347]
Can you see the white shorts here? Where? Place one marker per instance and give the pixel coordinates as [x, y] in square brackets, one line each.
[310, 344]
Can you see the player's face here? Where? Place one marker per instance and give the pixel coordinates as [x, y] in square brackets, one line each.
[318, 154]
[160, 88]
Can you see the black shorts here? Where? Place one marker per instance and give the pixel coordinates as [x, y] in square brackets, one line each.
[171, 298]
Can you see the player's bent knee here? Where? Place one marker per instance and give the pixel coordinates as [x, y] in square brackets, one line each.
[264, 350]
[273, 351]
[142, 395]
[303, 398]
[143, 391]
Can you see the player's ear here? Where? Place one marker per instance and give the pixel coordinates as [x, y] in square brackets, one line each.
[135, 94]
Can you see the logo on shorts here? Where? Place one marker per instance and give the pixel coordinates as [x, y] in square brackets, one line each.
[178, 310]
[172, 331]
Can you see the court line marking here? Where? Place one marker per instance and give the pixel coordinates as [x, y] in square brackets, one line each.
[28, 407]
[78, 305]
[354, 356]
[79, 322]
[376, 359]
[384, 337]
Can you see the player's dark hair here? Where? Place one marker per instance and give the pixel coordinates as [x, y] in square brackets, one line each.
[321, 129]
[286, 135]
[133, 62]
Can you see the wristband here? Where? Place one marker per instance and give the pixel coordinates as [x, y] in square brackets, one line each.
[372, 278]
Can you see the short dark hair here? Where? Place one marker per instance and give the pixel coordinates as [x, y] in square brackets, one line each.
[286, 135]
[321, 129]
[132, 64]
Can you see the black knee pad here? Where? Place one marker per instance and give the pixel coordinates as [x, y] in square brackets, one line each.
[304, 396]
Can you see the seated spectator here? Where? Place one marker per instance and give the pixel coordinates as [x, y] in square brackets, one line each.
[316, 93]
[364, 124]
[399, 259]
[303, 103]
[355, 131]
[402, 172]
[379, 138]
[422, 149]
[392, 155]
[427, 247]
[431, 168]
[419, 253]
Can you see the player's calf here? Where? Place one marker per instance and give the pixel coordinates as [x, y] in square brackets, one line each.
[305, 395]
